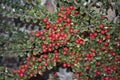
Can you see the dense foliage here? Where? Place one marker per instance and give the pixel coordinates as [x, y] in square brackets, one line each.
[74, 35]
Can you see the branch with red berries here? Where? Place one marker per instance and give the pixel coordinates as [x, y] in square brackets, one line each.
[86, 47]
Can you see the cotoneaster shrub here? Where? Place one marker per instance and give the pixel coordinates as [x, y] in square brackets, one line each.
[77, 40]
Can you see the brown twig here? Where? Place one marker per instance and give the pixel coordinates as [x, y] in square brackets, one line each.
[16, 50]
[75, 2]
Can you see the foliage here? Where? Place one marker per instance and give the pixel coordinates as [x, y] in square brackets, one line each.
[74, 35]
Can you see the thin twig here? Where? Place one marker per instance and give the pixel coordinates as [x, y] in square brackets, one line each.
[94, 1]
[16, 50]
[6, 74]
[75, 2]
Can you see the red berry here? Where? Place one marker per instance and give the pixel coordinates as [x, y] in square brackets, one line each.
[36, 71]
[39, 59]
[81, 73]
[61, 28]
[105, 78]
[55, 28]
[44, 20]
[102, 17]
[27, 58]
[45, 56]
[68, 12]
[110, 78]
[71, 30]
[98, 63]
[26, 65]
[58, 43]
[49, 49]
[106, 30]
[37, 34]
[71, 7]
[60, 19]
[64, 52]
[96, 72]
[102, 32]
[107, 36]
[64, 17]
[64, 65]
[44, 50]
[76, 74]
[55, 74]
[93, 50]
[69, 65]
[76, 12]
[114, 68]
[33, 58]
[67, 9]
[112, 53]
[43, 38]
[53, 44]
[87, 67]
[61, 8]
[55, 59]
[106, 43]
[55, 51]
[77, 41]
[57, 21]
[22, 70]
[68, 20]
[95, 34]
[89, 58]
[65, 49]
[99, 41]
[21, 74]
[46, 64]
[56, 56]
[40, 67]
[47, 26]
[59, 15]
[50, 45]
[31, 63]
[47, 23]
[101, 26]
[14, 71]
[31, 75]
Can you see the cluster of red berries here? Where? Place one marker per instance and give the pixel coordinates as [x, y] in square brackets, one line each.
[57, 34]
[21, 71]
[61, 40]
[79, 41]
